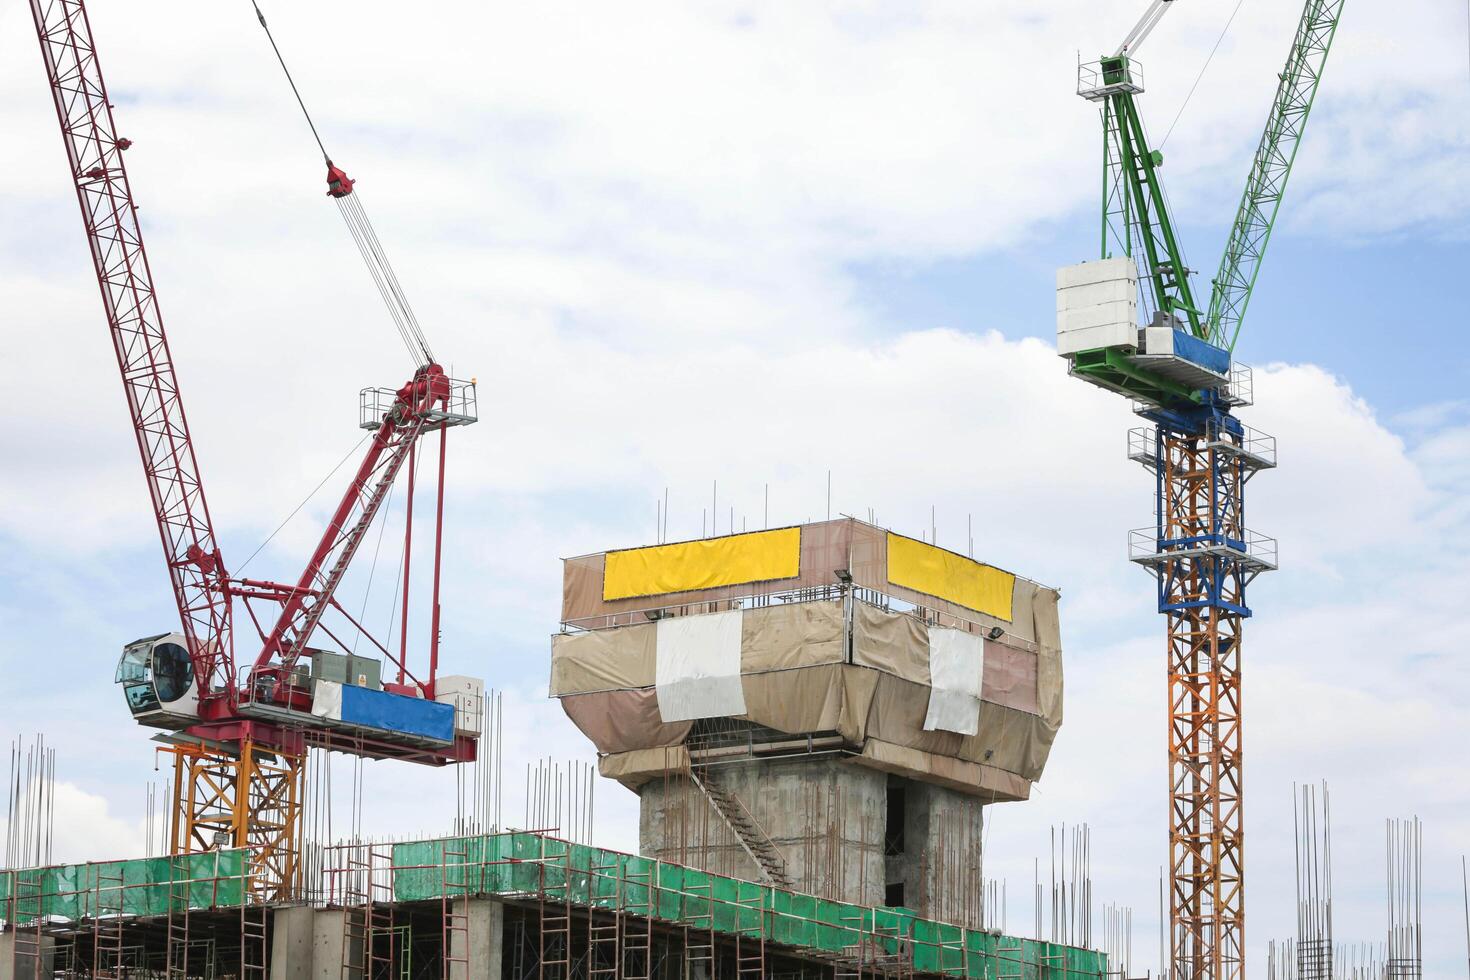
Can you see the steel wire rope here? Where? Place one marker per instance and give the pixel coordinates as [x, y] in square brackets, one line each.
[361, 230]
[381, 255]
[402, 551]
[303, 503]
[1203, 68]
[373, 568]
[289, 80]
[376, 259]
[377, 280]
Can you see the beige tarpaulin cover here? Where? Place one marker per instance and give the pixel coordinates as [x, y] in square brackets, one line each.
[1049, 657]
[602, 660]
[807, 634]
[834, 698]
[857, 702]
[803, 634]
[635, 768]
[967, 777]
[806, 669]
[617, 721]
[891, 642]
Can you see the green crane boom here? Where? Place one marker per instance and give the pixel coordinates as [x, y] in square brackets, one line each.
[1139, 212]
[1274, 157]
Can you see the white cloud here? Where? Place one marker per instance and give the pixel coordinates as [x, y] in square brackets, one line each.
[81, 827]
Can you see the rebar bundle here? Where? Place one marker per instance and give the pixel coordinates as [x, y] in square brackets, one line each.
[30, 813]
[1313, 884]
[1405, 872]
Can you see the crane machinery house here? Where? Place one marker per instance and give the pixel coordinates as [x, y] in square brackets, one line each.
[764, 693]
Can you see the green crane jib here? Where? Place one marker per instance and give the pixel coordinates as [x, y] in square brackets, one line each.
[1195, 354]
[1274, 157]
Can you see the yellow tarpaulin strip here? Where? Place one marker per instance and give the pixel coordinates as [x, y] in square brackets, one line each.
[763, 556]
[946, 575]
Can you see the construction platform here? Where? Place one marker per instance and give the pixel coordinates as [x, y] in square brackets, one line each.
[501, 905]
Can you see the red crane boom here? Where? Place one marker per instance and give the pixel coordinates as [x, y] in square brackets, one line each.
[94, 151]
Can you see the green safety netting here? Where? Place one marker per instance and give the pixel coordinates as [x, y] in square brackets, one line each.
[147, 886]
[526, 864]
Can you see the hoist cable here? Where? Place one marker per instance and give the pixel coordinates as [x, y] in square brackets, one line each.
[380, 258]
[374, 256]
[1203, 68]
[289, 80]
[377, 278]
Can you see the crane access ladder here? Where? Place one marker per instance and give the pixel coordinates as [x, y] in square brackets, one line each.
[752, 837]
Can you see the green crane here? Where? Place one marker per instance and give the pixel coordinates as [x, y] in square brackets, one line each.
[1130, 323]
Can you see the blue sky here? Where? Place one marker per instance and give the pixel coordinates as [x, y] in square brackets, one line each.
[751, 243]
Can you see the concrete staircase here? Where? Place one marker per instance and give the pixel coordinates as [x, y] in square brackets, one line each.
[749, 833]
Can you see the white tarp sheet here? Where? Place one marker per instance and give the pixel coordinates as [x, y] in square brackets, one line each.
[956, 673]
[697, 666]
[326, 700]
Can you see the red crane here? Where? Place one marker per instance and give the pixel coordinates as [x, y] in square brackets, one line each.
[239, 742]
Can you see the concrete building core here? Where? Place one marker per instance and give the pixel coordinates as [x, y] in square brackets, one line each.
[826, 708]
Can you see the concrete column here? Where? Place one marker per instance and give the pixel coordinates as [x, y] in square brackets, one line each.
[21, 964]
[292, 943]
[329, 940]
[475, 950]
[795, 801]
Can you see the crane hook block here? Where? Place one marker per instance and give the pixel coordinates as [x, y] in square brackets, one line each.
[338, 183]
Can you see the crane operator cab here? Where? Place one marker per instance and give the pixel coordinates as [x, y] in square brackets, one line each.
[158, 680]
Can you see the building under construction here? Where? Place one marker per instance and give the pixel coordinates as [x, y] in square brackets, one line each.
[513, 904]
[813, 718]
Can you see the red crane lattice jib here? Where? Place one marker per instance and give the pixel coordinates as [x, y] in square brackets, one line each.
[410, 414]
[94, 152]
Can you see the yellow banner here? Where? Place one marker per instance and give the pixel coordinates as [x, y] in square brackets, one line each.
[946, 575]
[763, 556]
